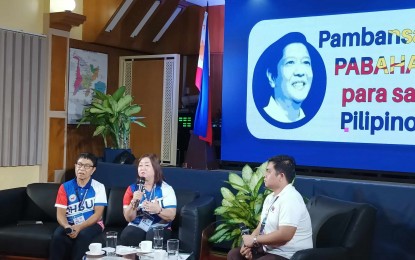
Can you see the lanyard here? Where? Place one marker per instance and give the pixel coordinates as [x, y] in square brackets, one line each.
[152, 192]
[261, 231]
[87, 186]
[83, 199]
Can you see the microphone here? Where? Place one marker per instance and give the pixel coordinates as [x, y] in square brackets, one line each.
[68, 230]
[140, 183]
[140, 187]
[244, 229]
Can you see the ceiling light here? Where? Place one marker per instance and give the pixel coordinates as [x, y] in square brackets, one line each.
[145, 18]
[118, 15]
[207, 2]
[166, 26]
[61, 5]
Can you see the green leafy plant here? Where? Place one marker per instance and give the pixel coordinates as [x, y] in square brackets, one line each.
[112, 115]
[243, 207]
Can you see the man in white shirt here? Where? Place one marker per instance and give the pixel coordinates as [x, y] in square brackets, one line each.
[285, 225]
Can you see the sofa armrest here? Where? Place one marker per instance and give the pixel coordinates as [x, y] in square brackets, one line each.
[329, 253]
[205, 245]
[195, 216]
[12, 202]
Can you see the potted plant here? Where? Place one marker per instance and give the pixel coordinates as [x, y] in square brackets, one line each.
[112, 115]
[243, 207]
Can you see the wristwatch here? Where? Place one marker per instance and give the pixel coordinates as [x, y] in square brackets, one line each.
[255, 241]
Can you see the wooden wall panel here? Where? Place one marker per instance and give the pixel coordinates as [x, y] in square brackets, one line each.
[56, 146]
[80, 139]
[183, 36]
[147, 89]
[58, 73]
[216, 68]
[191, 74]
[98, 13]
[215, 84]
[216, 28]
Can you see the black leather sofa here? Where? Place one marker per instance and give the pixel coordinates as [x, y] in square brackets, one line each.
[342, 230]
[28, 218]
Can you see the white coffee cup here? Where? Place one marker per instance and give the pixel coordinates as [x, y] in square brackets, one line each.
[146, 246]
[95, 248]
[160, 254]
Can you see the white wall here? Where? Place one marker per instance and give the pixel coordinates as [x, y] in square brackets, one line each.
[22, 15]
[76, 33]
[29, 16]
[12, 177]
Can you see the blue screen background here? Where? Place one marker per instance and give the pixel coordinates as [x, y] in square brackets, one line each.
[238, 145]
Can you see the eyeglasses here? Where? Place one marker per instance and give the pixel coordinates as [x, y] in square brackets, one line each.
[86, 166]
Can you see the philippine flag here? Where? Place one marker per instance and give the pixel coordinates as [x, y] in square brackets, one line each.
[203, 120]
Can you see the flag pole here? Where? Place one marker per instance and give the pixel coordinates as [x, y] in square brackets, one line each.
[200, 152]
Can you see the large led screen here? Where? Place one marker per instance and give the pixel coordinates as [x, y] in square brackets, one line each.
[330, 82]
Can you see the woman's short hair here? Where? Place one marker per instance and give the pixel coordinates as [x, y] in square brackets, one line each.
[155, 163]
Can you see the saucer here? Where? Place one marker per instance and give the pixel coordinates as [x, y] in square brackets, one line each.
[125, 250]
[97, 253]
[140, 251]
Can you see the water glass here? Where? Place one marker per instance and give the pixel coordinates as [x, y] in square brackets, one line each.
[173, 248]
[111, 240]
[158, 237]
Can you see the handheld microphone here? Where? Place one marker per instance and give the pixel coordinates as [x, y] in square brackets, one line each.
[140, 183]
[244, 229]
[68, 230]
[140, 187]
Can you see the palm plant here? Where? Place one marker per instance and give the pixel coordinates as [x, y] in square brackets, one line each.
[112, 115]
[243, 207]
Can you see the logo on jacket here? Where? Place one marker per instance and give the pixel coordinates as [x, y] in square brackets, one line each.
[72, 197]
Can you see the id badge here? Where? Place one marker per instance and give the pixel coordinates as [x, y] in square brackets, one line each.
[146, 222]
[79, 219]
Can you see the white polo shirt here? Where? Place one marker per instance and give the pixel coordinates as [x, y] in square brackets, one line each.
[288, 210]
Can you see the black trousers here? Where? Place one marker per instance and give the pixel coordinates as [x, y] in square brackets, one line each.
[64, 247]
[235, 254]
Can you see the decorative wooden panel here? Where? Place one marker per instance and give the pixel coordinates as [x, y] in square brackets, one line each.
[183, 35]
[58, 73]
[98, 13]
[216, 28]
[215, 83]
[80, 140]
[216, 69]
[148, 92]
[56, 146]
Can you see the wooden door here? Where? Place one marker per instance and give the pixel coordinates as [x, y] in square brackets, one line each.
[147, 90]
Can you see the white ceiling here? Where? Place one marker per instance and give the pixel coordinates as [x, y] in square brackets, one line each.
[204, 2]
